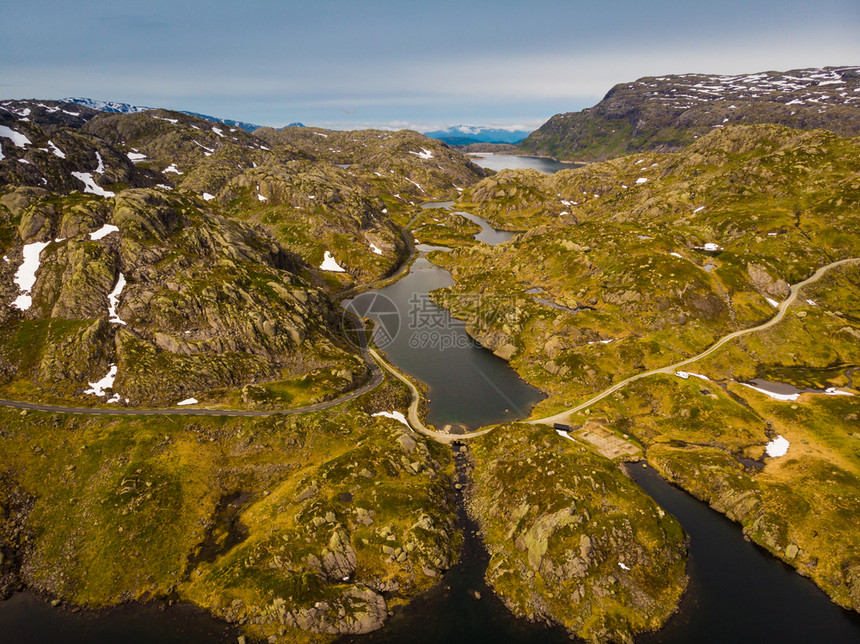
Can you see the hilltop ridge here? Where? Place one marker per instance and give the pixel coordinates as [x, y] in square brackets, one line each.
[666, 113]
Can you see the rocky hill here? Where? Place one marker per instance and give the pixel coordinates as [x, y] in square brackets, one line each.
[666, 113]
[572, 541]
[185, 257]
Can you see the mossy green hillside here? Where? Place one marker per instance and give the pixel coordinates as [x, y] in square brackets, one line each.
[260, 521]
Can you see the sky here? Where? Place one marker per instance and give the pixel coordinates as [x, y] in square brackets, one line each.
[418, 64]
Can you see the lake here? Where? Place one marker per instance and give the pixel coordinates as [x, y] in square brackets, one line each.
[513, 162]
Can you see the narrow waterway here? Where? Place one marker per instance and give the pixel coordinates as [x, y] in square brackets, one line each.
[738, 592]
[27, 619]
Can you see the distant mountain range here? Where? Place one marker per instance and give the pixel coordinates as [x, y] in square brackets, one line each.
[468, 134]
[667, 113]
[126, 108]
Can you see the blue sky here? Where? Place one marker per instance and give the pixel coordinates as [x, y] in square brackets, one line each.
[400, 64]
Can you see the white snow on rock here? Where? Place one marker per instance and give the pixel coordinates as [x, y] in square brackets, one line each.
[622, 566]
[113, 300]
[375, 249]
[677, 255]
[57, 151]
[207, 196]
[772, 394]
[172, 168]
[642, 180]
[218, 131]
[187, 401]
[711, 246]
[424, 154]
[325, 136]
[98, 388]
[564, 434]
[773, 303]
[104, 231]
[395, 415]
[17, 138]
[811, 303]
[833, 391]
[91, 186]
[416, 185]
[777, 447]
[330, 264]
[163, 186]
[25, 276]
[100, 168]
[136, 156]
[261, 197]
[699, 209]
[161, 118]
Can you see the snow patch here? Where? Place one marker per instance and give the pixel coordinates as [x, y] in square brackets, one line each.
[261, 197]
[25, 276]
[771, 394]
[773, 303]
[57, 151]
[699, 209]
[777, 447]
[113, 300]
[424, 154]
[98, 388]
[395, 415]
[330, 264]
[564, 434]
[642, 180]
[17, 138]
[833, 391]
[104, 231]
[416, 185]
[376, 250]
[172, 168]
[187, 401]
[677, 255]
[136, 156]
[622, 566]
[218, 131]
[208, 197]
[91, 186]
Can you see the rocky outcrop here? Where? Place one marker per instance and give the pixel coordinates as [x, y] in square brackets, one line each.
[572, 540]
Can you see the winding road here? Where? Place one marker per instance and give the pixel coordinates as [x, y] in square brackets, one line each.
[564, 417]
[377, 364]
